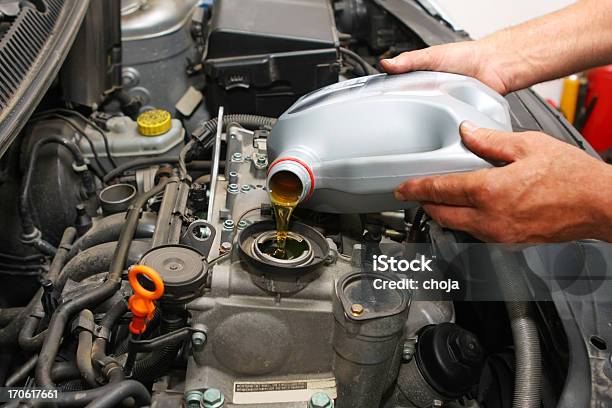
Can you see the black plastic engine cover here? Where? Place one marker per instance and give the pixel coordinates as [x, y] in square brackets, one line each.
[263, 55]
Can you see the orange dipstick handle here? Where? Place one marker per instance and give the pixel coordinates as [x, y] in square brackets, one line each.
[141, 302]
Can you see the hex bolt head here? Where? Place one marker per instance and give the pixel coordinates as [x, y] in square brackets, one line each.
[245, 188]
[357, 309]
[242, 225]
[226, 247]
[320, 400]
[202, 232]
[237, 156]
[193, 398]
[198, 339]
[233, 188]
[213, 398]
[261, 159]
[228, 224]
[408, 350]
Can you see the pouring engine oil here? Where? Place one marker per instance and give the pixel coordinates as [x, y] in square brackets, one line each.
[285, 189]
[342, 141]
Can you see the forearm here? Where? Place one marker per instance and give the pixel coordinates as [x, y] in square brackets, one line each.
[567, 41]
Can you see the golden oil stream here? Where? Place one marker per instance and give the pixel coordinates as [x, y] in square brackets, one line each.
[285, 191]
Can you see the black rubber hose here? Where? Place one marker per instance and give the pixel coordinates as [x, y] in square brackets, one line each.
[138, 163]
[8, 314]
[27, 224]
[209, 129]
[9, 334]
[108, 229]
[61, 372]
[158, 362]
[363, 64]
[21, 373]
[94, 296]
[89, 263]
[528, 363]
[117, 392]
[83, 353]
[65, 371]
[81, 398]
[98, 351]
[96, 260]
[28, 341]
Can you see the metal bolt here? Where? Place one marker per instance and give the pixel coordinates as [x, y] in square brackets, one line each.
[225, 247]
[320, 400]
[261, 159]
[193, 398]
[437, 403]
[233, 188]
[212, 398]
[228, 224]
[237, 156]
[357, 309]
[408, 350]
[198, 339]
[203, 232]
[245, 188]
[242, 225]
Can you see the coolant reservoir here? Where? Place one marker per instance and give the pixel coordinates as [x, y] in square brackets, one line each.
[352, 143]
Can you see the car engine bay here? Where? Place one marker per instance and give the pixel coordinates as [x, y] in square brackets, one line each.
[149, 148]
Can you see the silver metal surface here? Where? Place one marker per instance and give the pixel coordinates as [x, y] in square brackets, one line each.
[215, 165]
[145, 19]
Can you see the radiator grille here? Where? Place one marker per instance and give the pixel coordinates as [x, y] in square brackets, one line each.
[22, 44]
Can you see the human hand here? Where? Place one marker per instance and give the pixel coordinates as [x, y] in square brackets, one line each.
[549, 191]
[471, 58]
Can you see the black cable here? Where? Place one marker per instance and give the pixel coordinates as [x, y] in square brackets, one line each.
[365, 66]
[81, 132]
[93, 125]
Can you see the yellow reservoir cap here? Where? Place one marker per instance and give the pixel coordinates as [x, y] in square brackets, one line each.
[154, 122]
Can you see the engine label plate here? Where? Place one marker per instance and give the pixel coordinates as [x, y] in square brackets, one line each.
[267, 392]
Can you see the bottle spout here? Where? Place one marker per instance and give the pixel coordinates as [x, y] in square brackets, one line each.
[289, 179]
